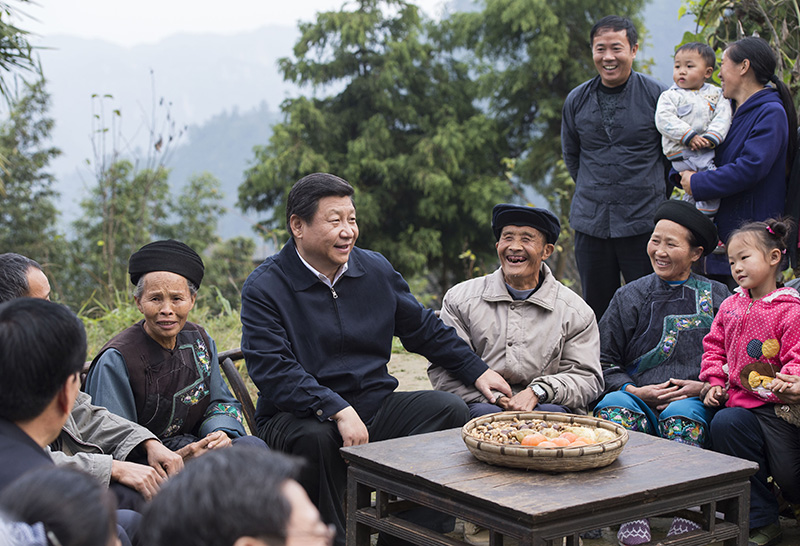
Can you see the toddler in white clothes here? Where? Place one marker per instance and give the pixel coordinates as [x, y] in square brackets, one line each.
[692, 116]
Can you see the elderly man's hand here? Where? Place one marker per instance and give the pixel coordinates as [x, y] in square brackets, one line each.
[490, 381]
[353, 430]
[165, 461]
[789, 390]
[140, 477]
[524, 400]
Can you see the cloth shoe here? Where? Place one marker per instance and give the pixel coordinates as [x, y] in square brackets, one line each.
[769, 535]
[682, 525]
[634, 532]
[475, 535]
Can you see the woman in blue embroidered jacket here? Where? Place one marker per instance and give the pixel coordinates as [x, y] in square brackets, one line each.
[651, 342]
[651, 337]
[162, 372]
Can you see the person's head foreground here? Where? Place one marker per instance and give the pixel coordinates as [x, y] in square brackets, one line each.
[321, 216]
[21, 277]
[614, 42]
[682, 234]
[74, 507]
[526, 236]
[755, 252]
[693, 65]
[167, 275]
[42, 351]
[239, 496]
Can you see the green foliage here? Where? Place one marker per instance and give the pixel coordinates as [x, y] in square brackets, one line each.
[197, 210]
[16, 53]
[27, 208]
[226, 271]
[126, 210]
[721, 22]
[405, 130]
[122, 213]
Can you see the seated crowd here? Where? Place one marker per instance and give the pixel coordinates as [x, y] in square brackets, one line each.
[152, 449]
[516, 339]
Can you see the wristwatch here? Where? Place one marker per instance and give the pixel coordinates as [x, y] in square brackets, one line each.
[540, 393]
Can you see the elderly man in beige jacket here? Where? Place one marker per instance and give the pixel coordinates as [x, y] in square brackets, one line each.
[531, 329]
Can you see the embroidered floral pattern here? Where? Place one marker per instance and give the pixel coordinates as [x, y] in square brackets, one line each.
[194, 395]
[201, 351]
[675, 324]
[224, 409]
[627, 418]
[173, 429]
[682, 430]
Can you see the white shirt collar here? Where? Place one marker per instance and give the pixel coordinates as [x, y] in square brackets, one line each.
[342, 270]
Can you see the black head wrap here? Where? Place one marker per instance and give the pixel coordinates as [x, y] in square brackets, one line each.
[685, 214]
[170, 255]
[545, 221]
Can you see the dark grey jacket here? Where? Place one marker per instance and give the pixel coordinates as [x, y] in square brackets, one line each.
[619, 180]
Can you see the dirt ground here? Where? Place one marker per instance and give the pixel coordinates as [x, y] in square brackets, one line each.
[410, 371]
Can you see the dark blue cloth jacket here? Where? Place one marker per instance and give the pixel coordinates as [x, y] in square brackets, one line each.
[751, 169]
[311, 350]
[621, 178]
[18, 453]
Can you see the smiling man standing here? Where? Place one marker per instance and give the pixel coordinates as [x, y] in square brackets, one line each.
[612, 150]
[318, 320]
[531, 329]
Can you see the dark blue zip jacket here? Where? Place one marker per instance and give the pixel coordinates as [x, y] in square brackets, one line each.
[313, 350]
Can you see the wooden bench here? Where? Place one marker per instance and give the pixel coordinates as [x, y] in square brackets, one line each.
[226, 364]
[226, 361]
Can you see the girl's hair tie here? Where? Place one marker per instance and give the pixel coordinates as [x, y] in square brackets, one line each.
[770, 230]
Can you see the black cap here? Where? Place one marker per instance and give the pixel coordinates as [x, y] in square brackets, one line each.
[170, 255]
[506, 214]
[685, 214]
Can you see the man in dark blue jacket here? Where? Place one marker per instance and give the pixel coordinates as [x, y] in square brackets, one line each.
[42, 350]
[612, 150]
[317, 325]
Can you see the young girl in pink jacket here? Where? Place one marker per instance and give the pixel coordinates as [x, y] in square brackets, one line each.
[751, 358]
[756, 333]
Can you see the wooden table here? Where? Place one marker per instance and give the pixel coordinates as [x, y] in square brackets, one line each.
[651, 477]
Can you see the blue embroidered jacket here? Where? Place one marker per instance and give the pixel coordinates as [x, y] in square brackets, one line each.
[652, 331]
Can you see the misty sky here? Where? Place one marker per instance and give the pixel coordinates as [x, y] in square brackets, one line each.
[134, 22]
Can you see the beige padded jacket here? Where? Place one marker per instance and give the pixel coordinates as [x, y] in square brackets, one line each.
[551, 339]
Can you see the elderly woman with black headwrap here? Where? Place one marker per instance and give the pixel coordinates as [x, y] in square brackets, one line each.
[651, 343]
[162, 372]
[651, 336]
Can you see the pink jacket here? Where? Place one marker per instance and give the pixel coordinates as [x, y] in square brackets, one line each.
[747, 336]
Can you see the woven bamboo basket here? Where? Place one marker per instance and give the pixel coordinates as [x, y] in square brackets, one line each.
[549, 459]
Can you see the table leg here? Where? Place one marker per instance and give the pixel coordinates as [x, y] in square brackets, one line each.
[358, 496]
